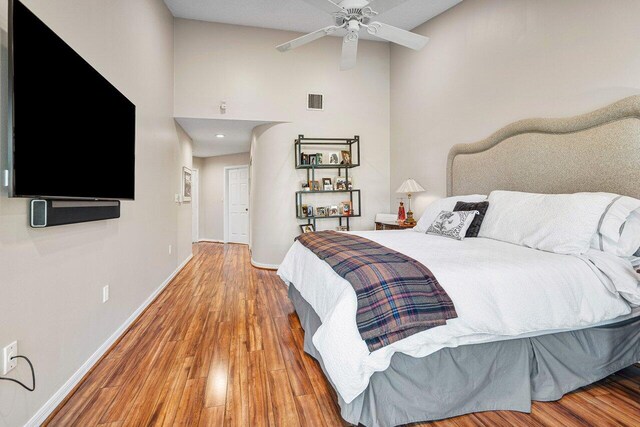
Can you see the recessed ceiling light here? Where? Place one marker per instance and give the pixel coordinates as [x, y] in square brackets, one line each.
[219, 135]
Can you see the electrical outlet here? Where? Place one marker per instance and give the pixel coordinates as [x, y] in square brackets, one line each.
[7, 353]
[105, 294]
[170, 249]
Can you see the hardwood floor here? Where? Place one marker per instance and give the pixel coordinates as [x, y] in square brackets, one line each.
[223, 346]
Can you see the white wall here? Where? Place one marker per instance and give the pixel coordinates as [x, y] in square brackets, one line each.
[211, 216]
[240, 65]
[492, 62]
[51, 279]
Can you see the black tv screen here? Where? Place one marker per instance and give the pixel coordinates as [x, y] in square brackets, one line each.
[74, 132]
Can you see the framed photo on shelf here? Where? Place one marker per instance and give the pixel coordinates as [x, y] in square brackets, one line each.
[186, 184]
[342, 228]
[334, 158]
[334, 211]
[321, 211]
[319, 158]
[341, 183]
[304, 210]
[305, 186]
[309, 210]
[313, 159]
[307, 228]
[314, 185]
[346, 157]
[326, 184]
[346, 208]
[304, 159]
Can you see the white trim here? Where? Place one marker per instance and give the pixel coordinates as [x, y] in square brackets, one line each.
[225, 205]
[267, 266]
[210, 241]
[63, 391]
[195, 205]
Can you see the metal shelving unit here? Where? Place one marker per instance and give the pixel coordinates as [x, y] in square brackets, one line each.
[350, 144]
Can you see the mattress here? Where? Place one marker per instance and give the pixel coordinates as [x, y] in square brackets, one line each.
[501, 292]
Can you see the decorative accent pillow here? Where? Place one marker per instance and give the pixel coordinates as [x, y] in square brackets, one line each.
[481, 207]
[446, 204]
[452, 224]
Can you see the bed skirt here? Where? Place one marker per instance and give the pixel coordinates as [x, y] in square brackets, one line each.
[503, 375]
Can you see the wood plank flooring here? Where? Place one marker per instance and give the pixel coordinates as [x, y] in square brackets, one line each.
[222, 346]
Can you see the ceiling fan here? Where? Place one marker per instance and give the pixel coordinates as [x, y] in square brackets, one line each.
[352, 16]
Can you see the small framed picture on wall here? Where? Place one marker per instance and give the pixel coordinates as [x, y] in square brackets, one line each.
[186, 184]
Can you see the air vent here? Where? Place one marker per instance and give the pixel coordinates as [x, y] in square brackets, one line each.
[315, 102]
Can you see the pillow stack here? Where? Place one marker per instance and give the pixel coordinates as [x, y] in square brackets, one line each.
[559, 223]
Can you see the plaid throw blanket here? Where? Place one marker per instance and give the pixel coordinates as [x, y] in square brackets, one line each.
[397, 296]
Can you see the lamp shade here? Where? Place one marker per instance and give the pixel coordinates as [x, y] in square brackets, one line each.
[410, 186]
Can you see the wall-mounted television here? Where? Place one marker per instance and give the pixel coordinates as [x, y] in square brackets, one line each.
[73, 131]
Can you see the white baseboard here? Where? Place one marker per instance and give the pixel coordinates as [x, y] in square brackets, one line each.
[210, 241]
[59, 395]
[266, 266]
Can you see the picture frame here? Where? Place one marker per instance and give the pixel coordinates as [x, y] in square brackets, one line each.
[342, 228]
[321, 211]
[334, 158]
[345, 157]
[346, 208]
[187, 181]
[314, 185]
[334, 210]
[341, 184]
[309, 210]
[304, 210]
[307, 228]
[319, 158]
[327, 184]
[313, 159]
[305, 186]
[304, 159]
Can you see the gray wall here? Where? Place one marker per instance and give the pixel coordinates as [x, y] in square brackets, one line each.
[492, 62]
[51, 279]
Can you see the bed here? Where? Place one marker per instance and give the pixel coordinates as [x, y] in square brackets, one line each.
[531, 325]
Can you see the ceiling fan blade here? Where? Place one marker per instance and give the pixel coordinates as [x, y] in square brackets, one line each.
[381, 6]
[326, 5]
[349, 51]
[308, 38]
[397, 35]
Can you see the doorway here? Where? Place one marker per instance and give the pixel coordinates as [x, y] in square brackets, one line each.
[236, 198]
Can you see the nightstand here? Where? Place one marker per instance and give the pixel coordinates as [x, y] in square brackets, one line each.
[392, 225]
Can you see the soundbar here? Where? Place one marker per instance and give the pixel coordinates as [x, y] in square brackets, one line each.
[49, 213]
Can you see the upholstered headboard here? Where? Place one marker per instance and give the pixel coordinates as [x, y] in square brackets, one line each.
[598, 151]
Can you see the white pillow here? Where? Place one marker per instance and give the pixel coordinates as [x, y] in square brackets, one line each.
[613, 235]
[447, 204]
[629, 243]
[452, 224]
[560, 223]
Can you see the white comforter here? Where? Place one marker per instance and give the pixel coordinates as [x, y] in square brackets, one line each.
[500, 291]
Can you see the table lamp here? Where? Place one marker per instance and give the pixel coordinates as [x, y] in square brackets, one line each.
[409, 187]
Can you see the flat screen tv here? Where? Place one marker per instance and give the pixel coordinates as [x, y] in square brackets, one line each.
[73, 131]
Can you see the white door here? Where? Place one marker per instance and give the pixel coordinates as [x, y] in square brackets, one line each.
[238, 204]
[195, 205]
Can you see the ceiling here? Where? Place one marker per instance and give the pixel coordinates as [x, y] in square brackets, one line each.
[237, 135]
[296, 15]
